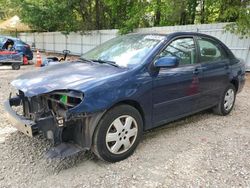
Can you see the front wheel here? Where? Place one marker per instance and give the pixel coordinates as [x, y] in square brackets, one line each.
[227, 101]
[118, 133]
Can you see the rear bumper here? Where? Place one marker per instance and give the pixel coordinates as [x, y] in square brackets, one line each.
[29, 56]
[23, 124]
[242, 81]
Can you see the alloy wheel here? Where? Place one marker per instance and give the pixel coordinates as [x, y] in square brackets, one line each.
[121, 134]
[229, 99]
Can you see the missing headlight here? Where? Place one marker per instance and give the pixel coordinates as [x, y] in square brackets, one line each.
[64, 100]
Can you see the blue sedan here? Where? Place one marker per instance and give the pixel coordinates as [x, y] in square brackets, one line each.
[17, 45]
[104, 101]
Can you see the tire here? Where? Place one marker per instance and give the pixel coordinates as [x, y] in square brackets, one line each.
[229, 96]
[15, 66]
[112, 140]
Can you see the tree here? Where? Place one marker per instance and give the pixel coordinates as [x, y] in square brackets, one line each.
[125, 15]
[46, 15]
[5, 9]
[238, 12]
[191, 9]
[242, 24]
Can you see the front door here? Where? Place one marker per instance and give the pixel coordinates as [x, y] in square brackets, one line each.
[176, 90]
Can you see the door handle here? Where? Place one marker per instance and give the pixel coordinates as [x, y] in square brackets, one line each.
[196, 71]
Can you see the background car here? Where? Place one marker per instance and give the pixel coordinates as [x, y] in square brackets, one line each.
[18, 45]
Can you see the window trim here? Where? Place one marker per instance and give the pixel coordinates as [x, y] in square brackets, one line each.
[213, 41]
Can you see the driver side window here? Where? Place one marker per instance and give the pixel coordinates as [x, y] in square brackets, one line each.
[183, 49]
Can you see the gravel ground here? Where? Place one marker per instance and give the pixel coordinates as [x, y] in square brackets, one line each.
[203, 150]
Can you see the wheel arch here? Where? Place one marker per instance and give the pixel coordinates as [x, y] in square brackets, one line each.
[134, 104]
[235, 82]
[99, 130]
[93, 123]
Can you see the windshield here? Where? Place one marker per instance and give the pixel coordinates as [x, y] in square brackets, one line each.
[125, 51]
[2, 39]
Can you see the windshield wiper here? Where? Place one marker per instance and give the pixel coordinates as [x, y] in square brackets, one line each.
[105, 62]
[85, 60]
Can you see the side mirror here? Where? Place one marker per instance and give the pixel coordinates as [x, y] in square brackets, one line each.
[167, 62]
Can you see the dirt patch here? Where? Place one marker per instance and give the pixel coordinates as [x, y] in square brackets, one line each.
[201, 150]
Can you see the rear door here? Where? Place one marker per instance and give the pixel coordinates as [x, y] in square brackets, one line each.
[176, 90]
[215, 68]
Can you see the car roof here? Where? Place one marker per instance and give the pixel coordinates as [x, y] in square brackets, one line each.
[9, 37]
[177, 34]
[181, 33]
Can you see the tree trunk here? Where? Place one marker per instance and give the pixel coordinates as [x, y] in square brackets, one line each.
[192, 8]
[97, 14]
[202, 11]
[183, 18]
[183, 15]
[158, 13]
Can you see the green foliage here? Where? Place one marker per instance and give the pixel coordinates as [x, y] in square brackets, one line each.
[6, 10]
[242, 25]
[47, 15]
[125, 15]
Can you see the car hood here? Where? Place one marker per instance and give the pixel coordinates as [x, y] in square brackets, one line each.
[70, 75]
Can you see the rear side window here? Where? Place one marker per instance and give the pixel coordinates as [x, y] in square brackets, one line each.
[210, 51]
[183, 49]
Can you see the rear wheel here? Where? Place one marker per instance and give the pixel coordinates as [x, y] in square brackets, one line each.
[16, 66]
[227, 101]
[118, 133]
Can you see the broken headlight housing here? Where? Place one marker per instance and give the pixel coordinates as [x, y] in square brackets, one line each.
[61, 101]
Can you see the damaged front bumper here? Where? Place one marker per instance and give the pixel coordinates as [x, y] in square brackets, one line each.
[23, 124]
[30, 123]
[31, 117]
[19, 112]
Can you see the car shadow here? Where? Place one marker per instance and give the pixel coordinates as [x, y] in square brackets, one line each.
[34, 149]
[177, 124]
[5, 69]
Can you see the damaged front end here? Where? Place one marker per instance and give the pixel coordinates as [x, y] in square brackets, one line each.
[51, 114]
